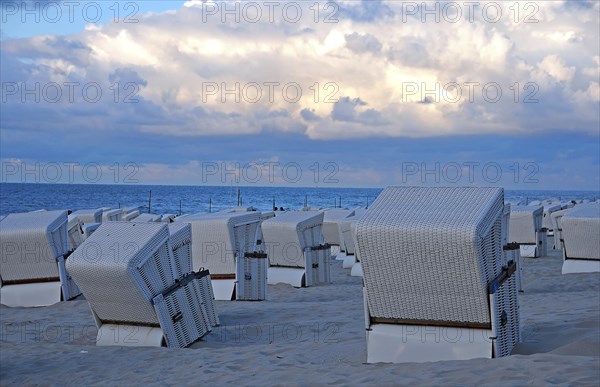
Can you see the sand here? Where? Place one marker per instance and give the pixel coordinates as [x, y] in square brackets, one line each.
[310, 336]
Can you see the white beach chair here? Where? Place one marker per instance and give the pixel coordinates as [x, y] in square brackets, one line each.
[225, 244]
[110, 215]
[580, 231]
[347, 238]
[547, 216]
[265, 215]
[32, 269]
[147, 218]
[526, 230]
[435, 284]
[89, 216]
[557, 227]
[137, 300]
[167, 218]
[512, 251]
[295, 248]
[128, 217]
[331, 231]
[181, 242]
[75, 232]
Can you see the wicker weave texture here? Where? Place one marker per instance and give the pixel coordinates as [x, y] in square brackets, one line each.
[581, 231]
[525, 221]
[506, 316]
[181, 243]
[429, 253]
[31, 243]
[121, 267]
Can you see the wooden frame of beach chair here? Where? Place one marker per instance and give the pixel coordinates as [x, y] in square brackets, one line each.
[526, 230]
[181, 242]
[436, 286]
[580, 229]
[127, 274]
[297, 255]
[33, 252]
[225, 244]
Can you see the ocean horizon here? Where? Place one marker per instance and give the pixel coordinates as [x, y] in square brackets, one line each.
[177, 199]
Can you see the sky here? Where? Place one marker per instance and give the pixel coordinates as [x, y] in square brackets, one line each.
[301, 93]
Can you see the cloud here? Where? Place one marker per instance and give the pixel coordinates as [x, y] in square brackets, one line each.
[186, 81]
[363, 43]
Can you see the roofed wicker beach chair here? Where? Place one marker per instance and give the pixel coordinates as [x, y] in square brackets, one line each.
[297, 254]
[581, 238]
[436, 286]
[225, 244]
[34, 248]
[137, 299]
[526, 230]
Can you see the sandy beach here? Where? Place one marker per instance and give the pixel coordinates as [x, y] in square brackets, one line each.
[310, 336]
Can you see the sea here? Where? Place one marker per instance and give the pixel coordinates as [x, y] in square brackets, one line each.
[161, 199]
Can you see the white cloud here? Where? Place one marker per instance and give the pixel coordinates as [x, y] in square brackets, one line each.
[201, 75]
[555, 67]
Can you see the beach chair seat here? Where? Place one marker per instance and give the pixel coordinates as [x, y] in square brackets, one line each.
[297, 254]
[128, 275]
[526, 230]
[34, 249]
[436, 286]
[181, 242]
[580, 231]
[225, 244]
